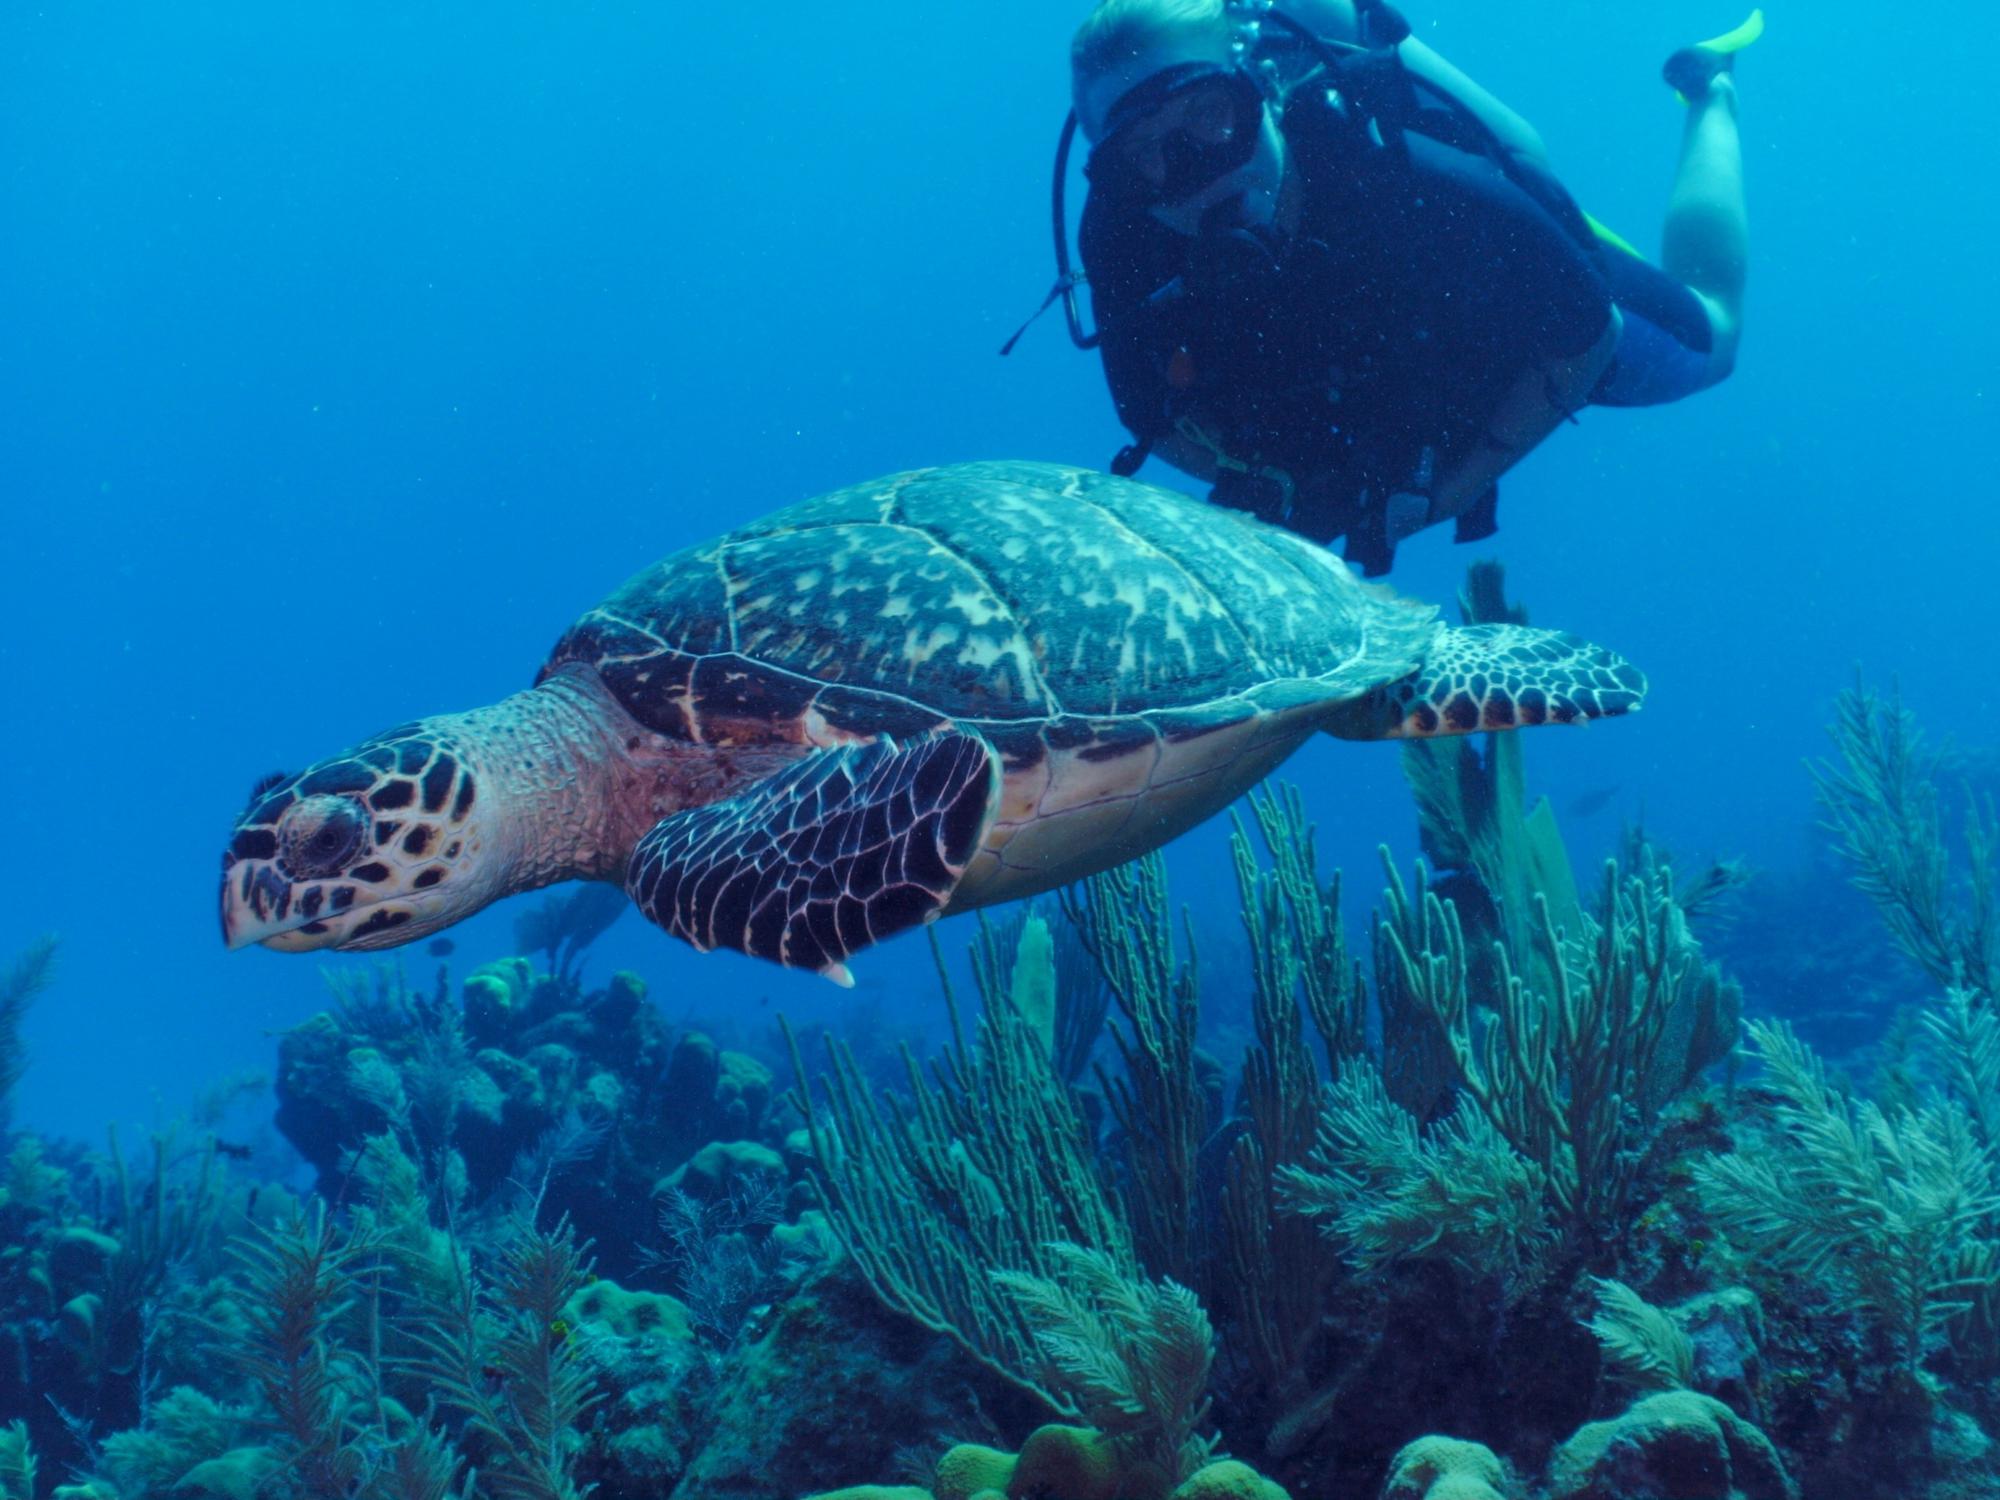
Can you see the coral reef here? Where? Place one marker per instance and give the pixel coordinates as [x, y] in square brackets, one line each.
[825, 1385]
[1146, 1228]
[1479, 1120]
[528, 1084]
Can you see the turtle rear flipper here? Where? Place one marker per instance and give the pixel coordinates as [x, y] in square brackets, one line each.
[1477, 677]
[836, 852]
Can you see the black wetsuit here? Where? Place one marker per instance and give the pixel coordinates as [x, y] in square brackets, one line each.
[1366, 350]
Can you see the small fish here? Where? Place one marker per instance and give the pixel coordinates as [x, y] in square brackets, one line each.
[232, 1150]
[1592, 803]
[441, 948]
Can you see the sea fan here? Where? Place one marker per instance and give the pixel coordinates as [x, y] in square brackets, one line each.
[1133, 1356]
[300, 1282]
[1385, 1191]
[501, 1353]
[564, 925]
[17, 1463]
[1641, 1345]
[28, 977]
[1886, 1209]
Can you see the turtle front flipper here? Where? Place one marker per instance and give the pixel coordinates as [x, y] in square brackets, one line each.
[1478, 677]
[836, 852]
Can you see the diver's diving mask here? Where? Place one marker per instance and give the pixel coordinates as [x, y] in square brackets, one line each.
[1166, 140]
[1176, 133]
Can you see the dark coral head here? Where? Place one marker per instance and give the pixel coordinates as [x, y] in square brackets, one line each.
[367, 850]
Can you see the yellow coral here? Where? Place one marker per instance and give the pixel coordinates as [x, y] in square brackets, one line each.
[971, 1469]
[629, 1315]
[1445, 1468]
[1229, 1480]
[1065, 1463]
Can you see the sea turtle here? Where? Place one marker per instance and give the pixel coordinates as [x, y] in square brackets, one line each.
[897, 701]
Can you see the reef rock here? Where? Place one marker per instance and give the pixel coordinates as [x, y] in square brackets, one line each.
[1677, 1445]
[826, 1389]
[653, 1383]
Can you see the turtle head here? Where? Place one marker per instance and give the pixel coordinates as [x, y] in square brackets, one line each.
[372, 848]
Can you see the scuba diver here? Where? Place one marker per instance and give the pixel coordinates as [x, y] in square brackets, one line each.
[1335, 278]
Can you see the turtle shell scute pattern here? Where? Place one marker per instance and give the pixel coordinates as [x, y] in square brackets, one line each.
[988, 594]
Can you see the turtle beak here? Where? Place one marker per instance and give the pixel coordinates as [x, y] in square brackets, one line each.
[259, 905]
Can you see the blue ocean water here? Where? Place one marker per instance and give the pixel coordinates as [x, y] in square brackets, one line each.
[348, 352]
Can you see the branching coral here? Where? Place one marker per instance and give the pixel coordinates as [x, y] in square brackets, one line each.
[301, 1282]
[1123, 918]
[184, 1428]
[1887, 1209]
[416, 1065]
[1881, 805]
[1642, 1347]
[1276, 1270]
[1519, 1079]
[31, 972]
[315, 1307]
[1131, 1355]
[422, 1466]
[1572, 1076]
[984, 1168]
[1298, 947]
[563, 926]
[1963, 1047]
[500, 1353]
[1386, 1190]
[17, 1463]
[719, 1251]
[1080, 999]
[164, 1225]
[1964, 1037]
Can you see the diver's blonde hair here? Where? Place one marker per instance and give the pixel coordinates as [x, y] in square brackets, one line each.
[1117, 29]
[1120, 34]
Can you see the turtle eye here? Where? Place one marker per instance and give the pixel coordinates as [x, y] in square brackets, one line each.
[325, 834]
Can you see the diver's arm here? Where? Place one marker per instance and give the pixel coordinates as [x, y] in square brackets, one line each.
[1537, 403]
[1514, 132]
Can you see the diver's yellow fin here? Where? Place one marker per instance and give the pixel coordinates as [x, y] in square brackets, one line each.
[1737, 39]
[1611, 236]
[1690, 70]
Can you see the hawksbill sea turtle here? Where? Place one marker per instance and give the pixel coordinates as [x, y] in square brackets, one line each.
[901, 700]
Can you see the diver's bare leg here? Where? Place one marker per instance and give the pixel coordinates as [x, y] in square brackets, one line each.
[1706, 241]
